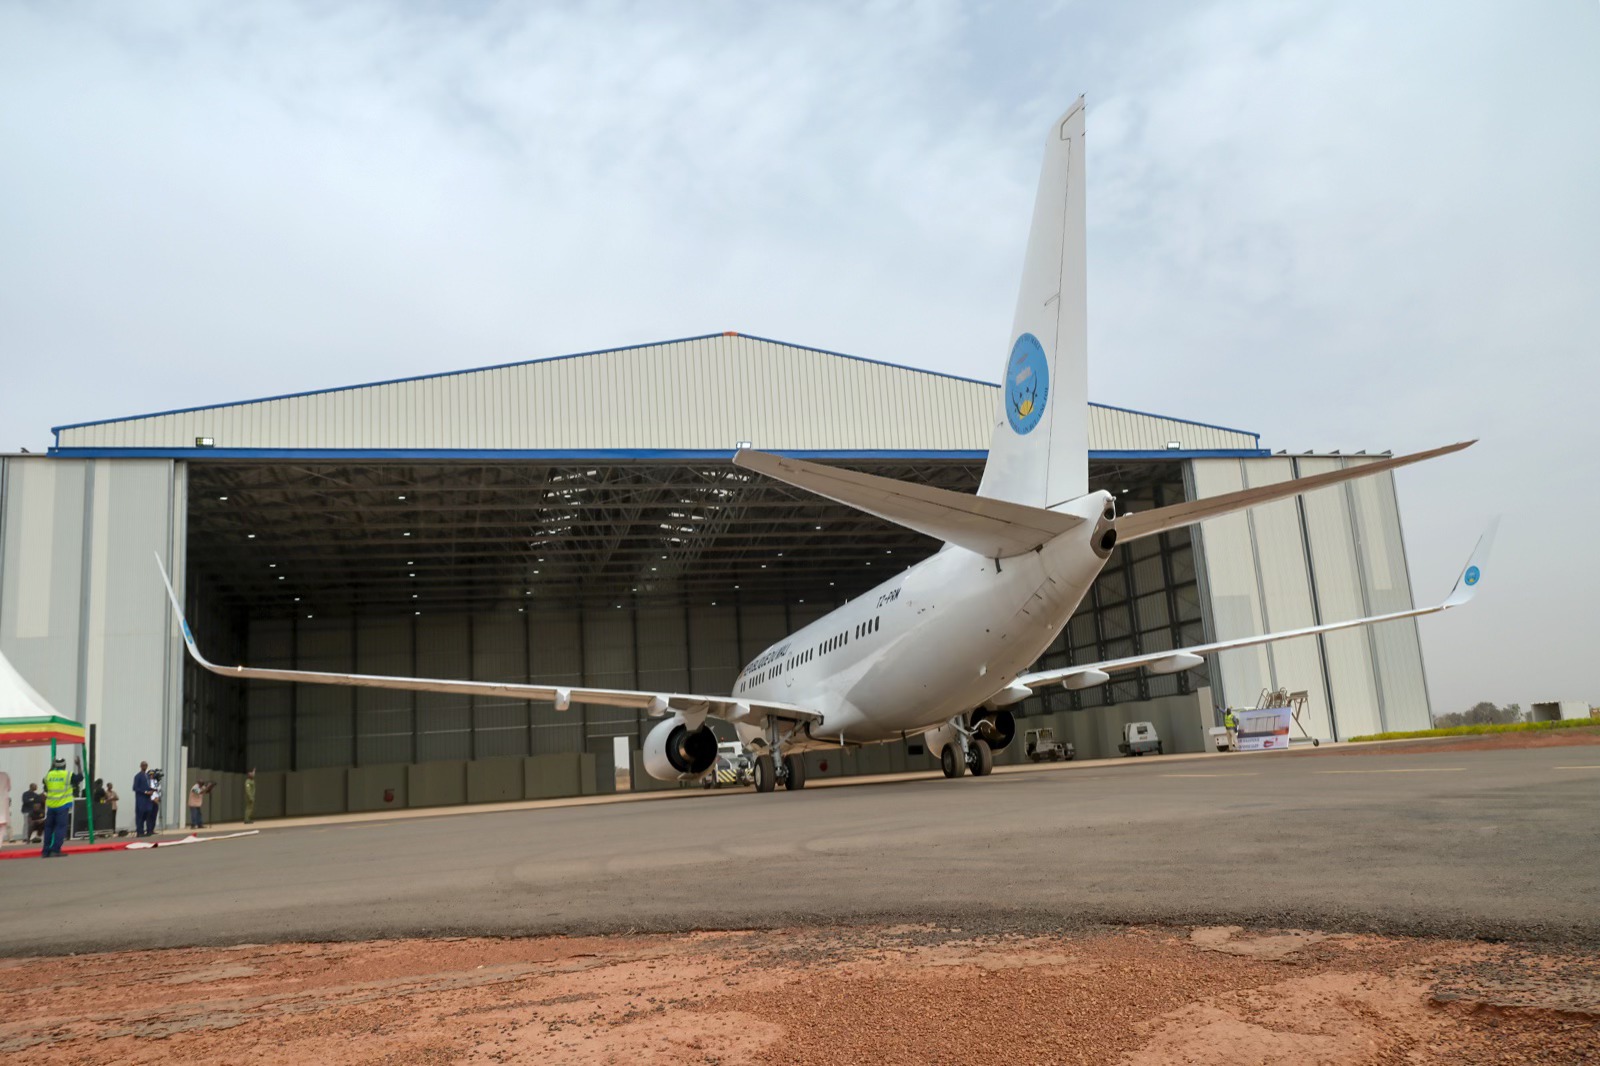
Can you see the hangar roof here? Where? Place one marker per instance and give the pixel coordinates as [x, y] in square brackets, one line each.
[698, 397]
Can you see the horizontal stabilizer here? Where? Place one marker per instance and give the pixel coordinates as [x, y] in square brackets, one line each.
[995, 529]
[1148, 523]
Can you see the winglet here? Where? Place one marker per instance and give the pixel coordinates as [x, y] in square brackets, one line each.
[1467, 583]
[177, 609]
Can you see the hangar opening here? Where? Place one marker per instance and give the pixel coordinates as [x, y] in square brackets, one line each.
[482, 524]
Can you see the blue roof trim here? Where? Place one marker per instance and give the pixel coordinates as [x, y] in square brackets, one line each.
[589, 454]
[605, 351]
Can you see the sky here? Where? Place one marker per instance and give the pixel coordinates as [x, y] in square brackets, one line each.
[1345, 226]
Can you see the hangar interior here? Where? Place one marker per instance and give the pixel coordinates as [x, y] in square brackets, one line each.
[466, 526]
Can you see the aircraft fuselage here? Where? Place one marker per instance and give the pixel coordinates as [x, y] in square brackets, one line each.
[932, 642]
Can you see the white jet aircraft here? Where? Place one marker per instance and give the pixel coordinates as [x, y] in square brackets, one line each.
[939, 651]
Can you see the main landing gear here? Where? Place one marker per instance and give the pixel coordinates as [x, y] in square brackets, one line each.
[791, 771]
[965, 754]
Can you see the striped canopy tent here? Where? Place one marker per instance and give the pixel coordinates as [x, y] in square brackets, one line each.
[26, 718]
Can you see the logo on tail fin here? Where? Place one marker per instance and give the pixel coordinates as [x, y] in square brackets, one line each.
[1027, 383]
[1472, 575]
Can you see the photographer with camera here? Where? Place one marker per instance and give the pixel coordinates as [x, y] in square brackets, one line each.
[197, 796]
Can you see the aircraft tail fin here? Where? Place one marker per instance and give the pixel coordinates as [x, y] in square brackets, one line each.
[995, 529]
[1039, 450]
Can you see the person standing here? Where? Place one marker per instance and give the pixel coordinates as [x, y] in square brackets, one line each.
[57, 808]
[250, 796]
[144, 817]
[32, 813]
[197, 798]
[1231, 723]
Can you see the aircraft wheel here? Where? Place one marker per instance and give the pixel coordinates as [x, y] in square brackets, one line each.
[982, 758]
[951, 762]
[795, 779]
[766, 780]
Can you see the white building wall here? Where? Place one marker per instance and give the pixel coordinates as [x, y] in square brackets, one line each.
[83, 616]
[1331, 555]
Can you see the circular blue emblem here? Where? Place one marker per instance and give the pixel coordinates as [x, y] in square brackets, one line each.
[1472, 575]
[1027, 383]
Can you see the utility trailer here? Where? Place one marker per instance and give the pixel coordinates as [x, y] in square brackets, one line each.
[1041, 744]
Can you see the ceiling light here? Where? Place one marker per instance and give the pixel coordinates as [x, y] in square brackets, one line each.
[313, 616]
[412, 574]
[222, 497]
[416, 612]
[297, 599]
[249, 536]
[272, 566]
[405, 534]
[280, 577]
[399, 497]
[522, 610]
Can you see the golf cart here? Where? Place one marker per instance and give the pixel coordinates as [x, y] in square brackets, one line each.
[1139, 738]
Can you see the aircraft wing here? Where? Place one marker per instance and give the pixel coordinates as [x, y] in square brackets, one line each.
[995, 529]
[657, 704]
[1172, 661]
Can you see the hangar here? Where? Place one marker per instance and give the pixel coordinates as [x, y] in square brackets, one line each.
[576, 519]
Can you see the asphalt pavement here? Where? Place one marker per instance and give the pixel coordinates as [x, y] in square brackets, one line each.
[1500, 844]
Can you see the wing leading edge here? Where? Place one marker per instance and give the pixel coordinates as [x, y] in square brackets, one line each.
[1175, 660]
[657, 704]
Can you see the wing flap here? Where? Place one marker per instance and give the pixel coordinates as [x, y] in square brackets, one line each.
[996, 529]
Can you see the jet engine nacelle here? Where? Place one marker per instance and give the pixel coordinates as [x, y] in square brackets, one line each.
[999, 728]
[673, 752]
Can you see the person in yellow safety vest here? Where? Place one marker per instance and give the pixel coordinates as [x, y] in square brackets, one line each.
[57, 808]
[1231, 723]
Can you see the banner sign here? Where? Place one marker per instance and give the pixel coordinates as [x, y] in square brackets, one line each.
[1264, 730]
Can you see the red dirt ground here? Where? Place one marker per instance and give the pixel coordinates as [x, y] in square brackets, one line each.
[1142, 997]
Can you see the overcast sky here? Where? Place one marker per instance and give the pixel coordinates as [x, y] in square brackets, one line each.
[1359, 226]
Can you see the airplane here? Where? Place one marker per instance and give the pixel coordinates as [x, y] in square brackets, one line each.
[938, 652]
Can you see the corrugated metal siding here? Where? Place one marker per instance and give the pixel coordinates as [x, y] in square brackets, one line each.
[1286, 593]
[1396, 646]
[1333, 555]
[1231, 586]
[1260, 578]
[82, 612]
[705, 394]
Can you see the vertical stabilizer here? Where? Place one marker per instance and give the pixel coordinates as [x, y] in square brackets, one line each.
[1039, 453]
